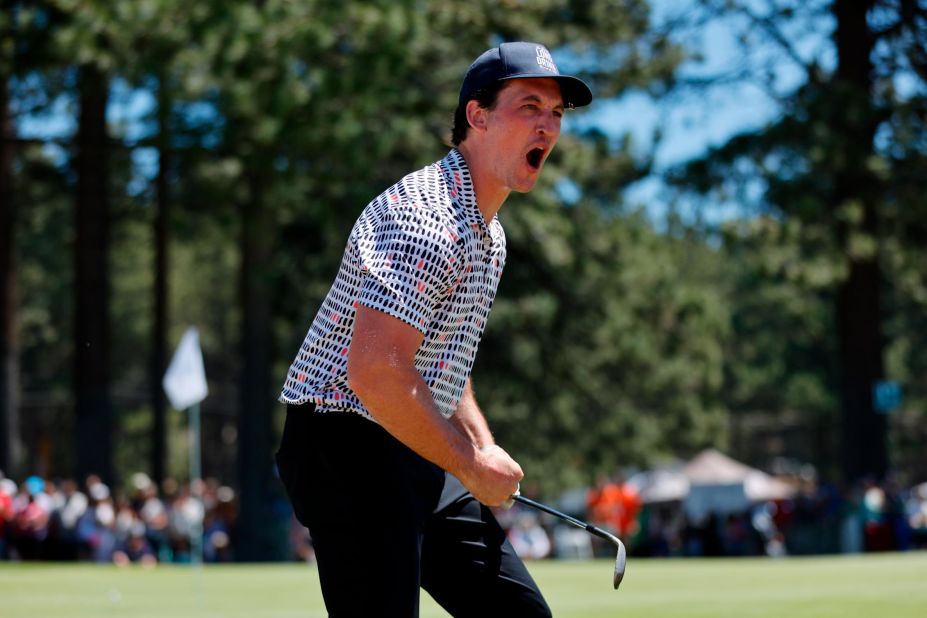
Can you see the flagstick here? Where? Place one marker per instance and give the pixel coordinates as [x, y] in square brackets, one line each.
[196, 484]
[196, 493]
[185, 385]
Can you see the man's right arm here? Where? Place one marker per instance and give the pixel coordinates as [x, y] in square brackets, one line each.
[382, 373]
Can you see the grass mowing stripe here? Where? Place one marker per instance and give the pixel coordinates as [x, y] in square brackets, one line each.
[885, 585]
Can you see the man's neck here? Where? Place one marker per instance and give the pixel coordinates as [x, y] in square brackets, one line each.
[490, 195]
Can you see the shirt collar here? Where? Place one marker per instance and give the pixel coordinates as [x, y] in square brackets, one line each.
[463, 195]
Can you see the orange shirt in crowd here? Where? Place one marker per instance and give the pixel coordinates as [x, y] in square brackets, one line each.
[615, 507]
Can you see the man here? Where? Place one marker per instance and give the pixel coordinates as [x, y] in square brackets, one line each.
[385, 454]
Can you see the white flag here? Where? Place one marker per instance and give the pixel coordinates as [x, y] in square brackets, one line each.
[185, 379]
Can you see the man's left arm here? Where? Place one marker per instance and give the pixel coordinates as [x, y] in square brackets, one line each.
[469, 419]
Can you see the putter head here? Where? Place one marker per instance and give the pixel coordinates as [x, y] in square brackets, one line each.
[620, 561]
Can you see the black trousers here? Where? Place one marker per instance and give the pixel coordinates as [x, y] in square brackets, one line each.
[385, 522]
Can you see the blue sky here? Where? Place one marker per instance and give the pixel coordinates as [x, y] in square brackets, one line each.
[695, 119]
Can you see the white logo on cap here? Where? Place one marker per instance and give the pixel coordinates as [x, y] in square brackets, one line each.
[545, 61]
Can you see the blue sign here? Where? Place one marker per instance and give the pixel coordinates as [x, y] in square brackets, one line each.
[886, 396]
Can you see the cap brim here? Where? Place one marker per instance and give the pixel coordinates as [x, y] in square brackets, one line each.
[575, 92]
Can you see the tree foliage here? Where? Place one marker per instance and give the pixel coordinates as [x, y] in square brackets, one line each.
[836, 176]
[611, 344]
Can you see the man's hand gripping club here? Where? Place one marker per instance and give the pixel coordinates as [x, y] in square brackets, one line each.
[495, 478]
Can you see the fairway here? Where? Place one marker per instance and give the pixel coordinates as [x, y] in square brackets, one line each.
[890, 585]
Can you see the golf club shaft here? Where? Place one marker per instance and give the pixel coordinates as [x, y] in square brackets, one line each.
[572, 520]
[622, 552]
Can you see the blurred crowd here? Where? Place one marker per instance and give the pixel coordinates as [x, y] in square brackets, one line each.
[819, 519]
[44, 519]
[142, 523]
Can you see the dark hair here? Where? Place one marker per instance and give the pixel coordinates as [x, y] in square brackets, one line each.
[486, 97]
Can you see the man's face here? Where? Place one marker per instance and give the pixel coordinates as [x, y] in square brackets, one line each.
[521, 130]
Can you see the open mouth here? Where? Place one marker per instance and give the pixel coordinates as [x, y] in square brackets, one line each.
[534, 157]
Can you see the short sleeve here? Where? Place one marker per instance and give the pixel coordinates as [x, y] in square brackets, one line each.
[408, 263]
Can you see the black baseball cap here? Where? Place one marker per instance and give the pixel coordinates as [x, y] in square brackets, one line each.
[519, 60]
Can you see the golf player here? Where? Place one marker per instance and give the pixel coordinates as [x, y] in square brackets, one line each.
[385, 454]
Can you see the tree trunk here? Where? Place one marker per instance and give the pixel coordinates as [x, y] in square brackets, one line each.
[255, 441]
[858, 310]
[159, 329]
[93, 406]
[10, 446]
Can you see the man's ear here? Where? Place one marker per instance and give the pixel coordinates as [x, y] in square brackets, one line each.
[476, 114]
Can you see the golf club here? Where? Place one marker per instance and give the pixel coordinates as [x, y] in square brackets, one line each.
[622, 553]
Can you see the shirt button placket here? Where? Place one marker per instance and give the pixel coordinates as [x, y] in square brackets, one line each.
[486, 266]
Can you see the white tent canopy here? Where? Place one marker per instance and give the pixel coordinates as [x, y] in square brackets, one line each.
[711, 481]
[660, 485]
[712, 467]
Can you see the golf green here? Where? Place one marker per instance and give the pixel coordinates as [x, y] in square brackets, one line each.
[886, 586]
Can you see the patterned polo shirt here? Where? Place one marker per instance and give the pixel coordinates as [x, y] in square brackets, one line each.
[423, 253]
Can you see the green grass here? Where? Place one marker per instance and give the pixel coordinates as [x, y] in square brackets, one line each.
[884, 586]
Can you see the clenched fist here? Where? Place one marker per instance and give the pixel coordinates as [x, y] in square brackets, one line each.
[494, 477]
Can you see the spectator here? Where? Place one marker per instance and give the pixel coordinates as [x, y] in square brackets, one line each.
[736, 535]
[876, 526]
[614, 505]
[126, 518]
[8, 489]
[528, 538]
[692, 544]
[218, 523]
[153, 514]
[135, 548]
[570, 543]
[31, 513]
[185, 521]
[655, 532]
[851, 522]
[70, 504]
[916, 509]
[896, 519]
[96, 528]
